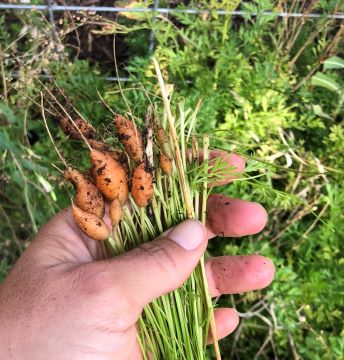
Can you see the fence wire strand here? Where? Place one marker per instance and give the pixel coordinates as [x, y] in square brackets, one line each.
[50, 7]
[110, 9]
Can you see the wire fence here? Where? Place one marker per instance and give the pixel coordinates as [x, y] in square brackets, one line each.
[155, 9]
[161, 10]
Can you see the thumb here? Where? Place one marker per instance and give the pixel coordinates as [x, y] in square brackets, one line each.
[162, 265]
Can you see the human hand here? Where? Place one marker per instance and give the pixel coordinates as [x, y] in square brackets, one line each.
[61, 302]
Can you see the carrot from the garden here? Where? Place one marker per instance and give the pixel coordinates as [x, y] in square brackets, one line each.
[72, 129]
[98, 145]
[88, 198]
[142, 185]
[163, 141]
[90, 224]
[109, 176]
[130, 137]
[118, 155]
[166, 164]
[115, 212]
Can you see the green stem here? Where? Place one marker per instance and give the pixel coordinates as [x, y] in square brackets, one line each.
[182, 133]
[223, 41]
[143, 225]
[3, 75]
[204, 277]
[157, 214]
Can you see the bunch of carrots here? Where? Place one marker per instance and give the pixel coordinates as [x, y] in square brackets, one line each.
[110, 179]
[151, 183]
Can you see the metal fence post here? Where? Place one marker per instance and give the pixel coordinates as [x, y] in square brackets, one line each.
[152, 35]
[53, 26]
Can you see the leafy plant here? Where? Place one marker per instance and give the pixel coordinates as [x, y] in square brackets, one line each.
[329, 82]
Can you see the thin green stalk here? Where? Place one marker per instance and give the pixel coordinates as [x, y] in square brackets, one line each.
[115, 243]
[339, 106]
[204, 277]
[223, 41]
[182, 133]
[156, 212]
[193, 119]
[112, 247]
[26, 194]
[125, 228]
[128, 217]
[195, 308]
[205, 183]
[3, 75]
[161, 193]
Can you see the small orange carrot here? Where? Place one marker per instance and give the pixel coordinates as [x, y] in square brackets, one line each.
[166, 164]
[142, 185]
[88, 198]
[98, 145]
[70, 129]
[115, 212]
[109, 176]
[163, 141]
[90, 224]
[117, 154]
[130, 137]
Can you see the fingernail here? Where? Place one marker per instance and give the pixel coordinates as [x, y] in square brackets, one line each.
[189, 234]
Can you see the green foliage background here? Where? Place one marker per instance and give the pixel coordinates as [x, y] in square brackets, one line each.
[260, 99]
